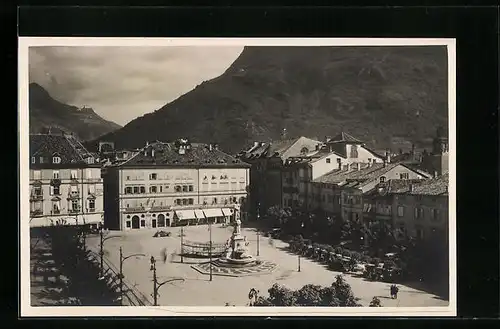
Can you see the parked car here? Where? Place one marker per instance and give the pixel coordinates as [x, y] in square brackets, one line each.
[161, 234]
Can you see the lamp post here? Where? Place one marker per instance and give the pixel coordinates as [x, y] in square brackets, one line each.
[302, 227]
[156, 285]
[123, 259]
[101, 247]
[258, 231]
[182, 244]
[210, 247]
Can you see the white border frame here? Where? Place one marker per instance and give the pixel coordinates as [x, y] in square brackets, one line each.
[68, 311]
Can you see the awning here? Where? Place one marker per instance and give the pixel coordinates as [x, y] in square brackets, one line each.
[185, 214]
[213, 213]
[227, 212]
[199, 213]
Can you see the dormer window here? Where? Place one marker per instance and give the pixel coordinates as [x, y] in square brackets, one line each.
[41, 159]
[90, 160]
[382, 179]
[56, 159]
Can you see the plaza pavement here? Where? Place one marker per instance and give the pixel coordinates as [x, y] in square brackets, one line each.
[197, 290]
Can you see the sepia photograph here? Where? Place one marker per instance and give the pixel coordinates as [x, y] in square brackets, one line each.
[184, 176]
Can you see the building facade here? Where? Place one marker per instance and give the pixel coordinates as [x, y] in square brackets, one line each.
[335, 154]
[267, 160]
[65, 182]
[421, 210]
[179, 183]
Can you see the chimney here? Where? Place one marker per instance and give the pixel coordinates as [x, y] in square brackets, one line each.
[339, 161]
[358, 165]
[435, 174]
[255, 144]
[385, 163]
[152, 152]
[388, 156]
[283, 133]
[216, 147]
[182, 150]
[410, 188]
[210, 147]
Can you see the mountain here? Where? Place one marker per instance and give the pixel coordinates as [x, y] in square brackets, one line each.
[378, 94]
[46, 112]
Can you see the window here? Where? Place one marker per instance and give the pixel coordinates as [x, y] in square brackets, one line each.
[190, 201]
[55, 174]
[401, 211]
[33, 159]
[357, 199]
[74, 189]
[128, 190]
[89, 173]
[37, 190]
[382, 179]
[37, 174]
[136, 189]
[90, 160]
[74, 174]
[177, 188]
[419, 212]
[56, 207]
[56, 159]
[92, 189]
[328, 160]
[404, 175]
[184, 188]
[56, 190]
[435, 214]
[91, 205]
[128, 178]
[41, 159]
[161, 188]
[74, 205]
[143, 223]
[191, 188]
[214, 201]
[184, 202]
[419, 232]
[153, 176]
[128, 224]
[152, 189]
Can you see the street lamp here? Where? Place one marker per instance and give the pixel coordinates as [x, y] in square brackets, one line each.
[302, 226]
[101, 246]
[182, 244]
[258, 230]
[210, 246]
[156, 285]
[123, 259]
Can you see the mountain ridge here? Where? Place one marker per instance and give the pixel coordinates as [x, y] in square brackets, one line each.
[374, 93]
[46, 113]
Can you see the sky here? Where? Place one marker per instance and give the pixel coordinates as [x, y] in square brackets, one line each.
[123, 83]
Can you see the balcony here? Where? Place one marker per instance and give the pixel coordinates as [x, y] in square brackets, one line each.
[55, 212]
[160, 208]
[36, 213]
[74, 211]
[36, 197]
[73, 195]
[55, 182]
[94, 180]
[135, 209]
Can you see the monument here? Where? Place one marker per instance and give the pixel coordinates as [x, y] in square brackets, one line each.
[236, 260]
[237, 252]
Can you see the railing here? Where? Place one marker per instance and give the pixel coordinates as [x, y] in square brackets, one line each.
[36, 213]
[36, 197]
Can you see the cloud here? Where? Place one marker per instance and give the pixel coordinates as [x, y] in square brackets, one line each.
[122, 83]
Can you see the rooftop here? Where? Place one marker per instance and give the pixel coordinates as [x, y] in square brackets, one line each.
[365, 173]
[277, 147]
[344, 138]
[182, 154]
[433, 186]
[65, 146]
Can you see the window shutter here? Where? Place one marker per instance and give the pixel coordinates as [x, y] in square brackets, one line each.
[51, 190]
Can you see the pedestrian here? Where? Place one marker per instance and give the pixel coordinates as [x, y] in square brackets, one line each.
[396, 290]
[392, 291]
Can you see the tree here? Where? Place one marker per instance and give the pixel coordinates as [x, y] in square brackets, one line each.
[279, 215]
[339, 294]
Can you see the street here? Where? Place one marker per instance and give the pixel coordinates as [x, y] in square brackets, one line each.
[197, 290]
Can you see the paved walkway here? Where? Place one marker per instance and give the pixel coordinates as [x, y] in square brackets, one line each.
[197, 290]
